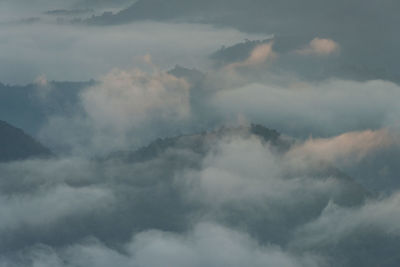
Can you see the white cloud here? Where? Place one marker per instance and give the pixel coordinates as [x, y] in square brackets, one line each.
[345, 149]
[86, 52]
[122, 110]
[319, 47]
[127, 99]
[338, 223]
[207, 245]
[325, 108]
[258, 56]
[242, 183]
[244, 171]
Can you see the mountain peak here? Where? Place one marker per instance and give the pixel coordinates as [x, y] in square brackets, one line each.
[15, 144]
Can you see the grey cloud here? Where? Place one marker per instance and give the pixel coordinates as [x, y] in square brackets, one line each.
[378, 171]
[340, 229]
[325, 193]
[198, 101]
[68, 12]
[207, 244]
[315, 59]
[256, 203]
[88, 52]
[281, 101]
[363, 28]
[336, 223]
[313, 108]
[38, 210]
[120, 4]
[120, 109]
[370, 24]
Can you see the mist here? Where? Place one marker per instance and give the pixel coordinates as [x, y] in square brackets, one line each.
[199, 133]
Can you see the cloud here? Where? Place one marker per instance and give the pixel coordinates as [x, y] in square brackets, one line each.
[345, 149]
[128, 108]
[89, 52]
[254, 200]
[206, 245]
[68, 12]
[210, 245]
[258, 56]
[120, 110]
[309, 19]
[325, 108]
[41, 81]
[338, 223]
[244, 182]
[221, 198]
[319, 47]
[49, 205]
[126, 99]
[244, 170]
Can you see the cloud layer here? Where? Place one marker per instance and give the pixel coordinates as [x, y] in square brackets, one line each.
[157, 160]
[243, 201]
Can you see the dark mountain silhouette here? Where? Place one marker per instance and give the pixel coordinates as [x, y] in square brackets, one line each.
[16, 145]
[237, 52]
[198, 145]
[193, 76]
[29, 106]
[201, 143]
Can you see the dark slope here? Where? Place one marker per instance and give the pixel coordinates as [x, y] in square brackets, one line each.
[16, 145]
[236, 53]
[29, 106]
[201, 143]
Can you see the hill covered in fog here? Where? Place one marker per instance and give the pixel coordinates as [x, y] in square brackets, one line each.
[17, 145]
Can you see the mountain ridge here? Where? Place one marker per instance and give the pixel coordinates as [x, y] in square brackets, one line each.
[15, 145]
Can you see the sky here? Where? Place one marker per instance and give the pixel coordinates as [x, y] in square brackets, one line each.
[150, 108]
